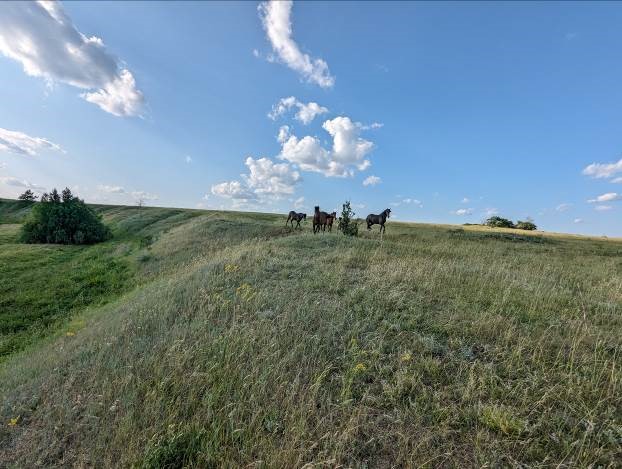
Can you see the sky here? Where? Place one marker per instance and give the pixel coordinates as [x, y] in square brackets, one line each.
[443, 112]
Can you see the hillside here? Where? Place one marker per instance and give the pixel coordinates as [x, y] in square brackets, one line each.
[206, 338]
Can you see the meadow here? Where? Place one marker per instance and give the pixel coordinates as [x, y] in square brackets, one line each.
[223, 339]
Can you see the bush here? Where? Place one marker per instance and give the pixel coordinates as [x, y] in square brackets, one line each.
[498, 222]
[63, 219]
[525, 225]
[347, 225]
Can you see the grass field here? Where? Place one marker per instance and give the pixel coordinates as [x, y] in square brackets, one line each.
[222, 339]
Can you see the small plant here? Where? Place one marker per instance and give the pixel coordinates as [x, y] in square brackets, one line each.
[63, 219]
[347, 225]
[28, 196]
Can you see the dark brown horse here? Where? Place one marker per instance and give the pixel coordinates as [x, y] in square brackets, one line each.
[320, 220]
[329, 221]
[295, 217]
[378, 220]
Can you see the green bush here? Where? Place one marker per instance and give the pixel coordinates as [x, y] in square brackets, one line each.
[525, 225]
[347, 225]
[498, 222]
[63, 219]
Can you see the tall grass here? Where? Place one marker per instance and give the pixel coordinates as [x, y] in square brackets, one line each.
[248, 344]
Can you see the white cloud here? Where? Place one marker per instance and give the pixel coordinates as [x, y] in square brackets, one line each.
[21, 144]
[416, 202]
[617, 180]
[42, 37]
[276, 19]
[11, 181]
[578, 220]
[306, 112]
[188, 159]
[347, 153]
[233, 190]
[463, 211]
[465, 200]
[271, 179]
[603, 208]
[2, 165]
[603, 170]
[299, 203]
[142, 195]
[608, 197]
[491, 211]
[111, 189]
[371, 181]
[563, 207]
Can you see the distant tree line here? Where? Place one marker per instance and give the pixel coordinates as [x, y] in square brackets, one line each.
[62, 219]
[499, 222]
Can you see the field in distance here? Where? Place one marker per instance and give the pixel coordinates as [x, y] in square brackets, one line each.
[207, 338]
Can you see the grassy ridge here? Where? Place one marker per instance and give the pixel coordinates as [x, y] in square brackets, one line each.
[244, 343]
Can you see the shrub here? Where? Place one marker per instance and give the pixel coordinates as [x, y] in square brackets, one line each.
[28, 196]
[498, 222]
[347, 225]
[526, 225]
[63, 219]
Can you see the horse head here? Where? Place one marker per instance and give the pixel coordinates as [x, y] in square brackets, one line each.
[304, 216]
[387, 212]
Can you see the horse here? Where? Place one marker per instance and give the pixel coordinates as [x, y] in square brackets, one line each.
[329, 221]
[319, 220]
[297, 217]
[378, 219]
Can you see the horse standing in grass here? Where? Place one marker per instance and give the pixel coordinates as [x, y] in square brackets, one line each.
[329, 221]
[378, 220]
[319, 220]
[295, 217]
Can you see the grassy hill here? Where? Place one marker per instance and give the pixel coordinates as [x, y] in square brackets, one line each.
[204, 338]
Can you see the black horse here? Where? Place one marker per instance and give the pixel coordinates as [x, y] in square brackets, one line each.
[295, 217]
[378, 219]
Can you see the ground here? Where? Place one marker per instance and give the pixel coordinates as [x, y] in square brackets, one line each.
[203, 338]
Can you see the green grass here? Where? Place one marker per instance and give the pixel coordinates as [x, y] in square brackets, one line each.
[237, 342]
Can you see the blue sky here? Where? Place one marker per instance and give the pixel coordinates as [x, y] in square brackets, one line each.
[449, 111]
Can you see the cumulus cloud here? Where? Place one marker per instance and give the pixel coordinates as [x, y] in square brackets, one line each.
[563, 207]
[465, 200]
[578, 220]
[603, 208]
[463, 211]
[21, 144]
[617, 180]
[268, 178]
[491, 211]
[299, 203]
[42, 37]
[188, 159]
[608, 197]
[408, 201]
[12, 181]
[306, 112]
[111, 189]
[603, 170]
[276, 19]
[372, 181]
[142, 195]
[265, 180]
[348, 151]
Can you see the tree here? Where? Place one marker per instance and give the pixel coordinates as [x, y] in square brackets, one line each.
[347, 225]
[526, 225]
[28, 196]
[63, 219]
[498, 222]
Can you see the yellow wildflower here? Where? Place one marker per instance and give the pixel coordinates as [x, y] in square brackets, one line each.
[70, 334]
[359, 368]
[13, 422]
[229, 268]
[406, 357]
